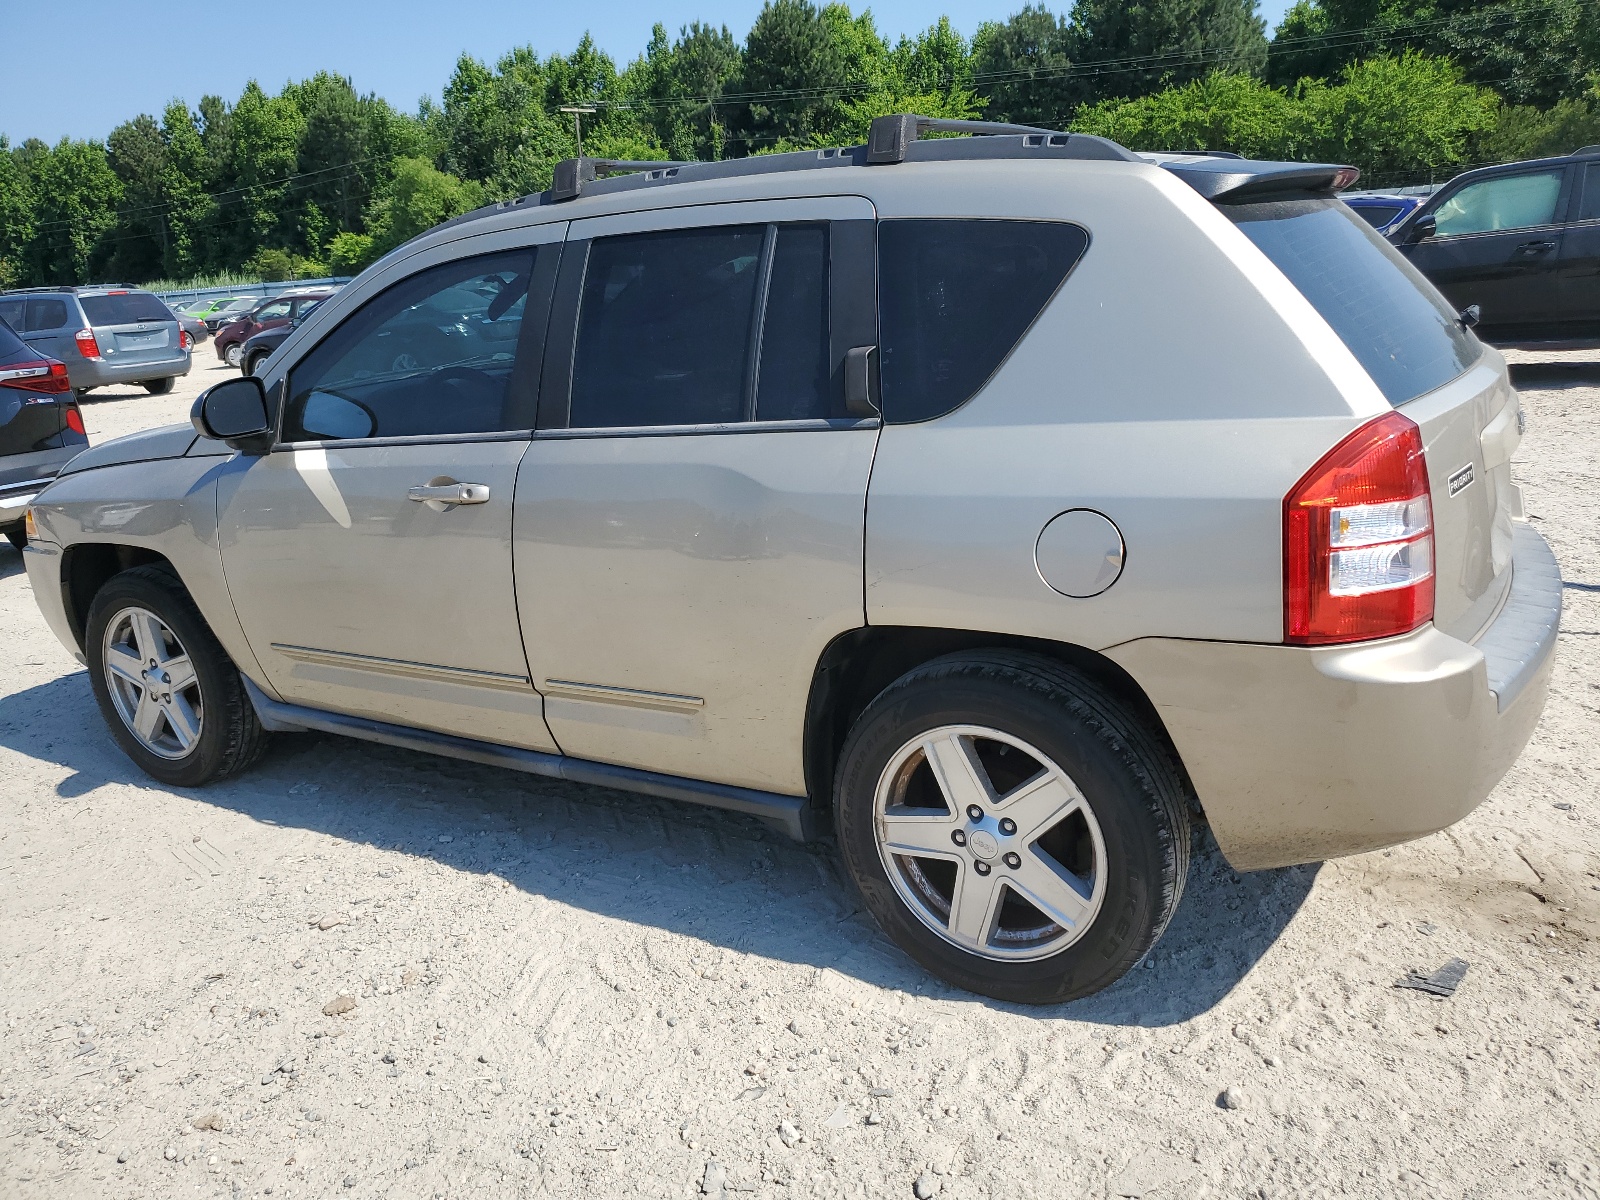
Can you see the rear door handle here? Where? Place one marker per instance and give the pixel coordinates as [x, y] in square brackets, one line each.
[447, 495]
[1536, 247]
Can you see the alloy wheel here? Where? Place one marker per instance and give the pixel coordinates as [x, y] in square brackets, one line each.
[989, 843]
[152, 683]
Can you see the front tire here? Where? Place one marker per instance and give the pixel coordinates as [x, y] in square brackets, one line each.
[159, 387]
[251, 367]
[173, 699]
[1012, 826]
[234, 354]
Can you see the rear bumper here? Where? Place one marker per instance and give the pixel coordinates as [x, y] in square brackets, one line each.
[1301, 754]
[89, 372]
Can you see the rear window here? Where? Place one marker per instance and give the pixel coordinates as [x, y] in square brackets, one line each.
[1377, 215]
[1397, 325]
[124, 309]
[954, 297]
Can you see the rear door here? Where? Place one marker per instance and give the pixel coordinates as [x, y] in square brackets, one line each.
[1580, 259]
[131, 327]
[50, 326]
[689, 518]
[1498, 245]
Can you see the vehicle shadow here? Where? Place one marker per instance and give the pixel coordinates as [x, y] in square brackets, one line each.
[1555, 374]
[10, 560]
[724, 878]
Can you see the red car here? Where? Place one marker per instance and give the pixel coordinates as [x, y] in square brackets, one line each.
[280, 310]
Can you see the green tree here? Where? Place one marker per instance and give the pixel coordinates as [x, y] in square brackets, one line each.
[794, 72]
[1022, 68]
[1523, 131]
[675, 89]
[137, 245]
[1133, 49]
[187, 177]
[1223, 111]
[16, 215]
[419, 197]
[75, 194]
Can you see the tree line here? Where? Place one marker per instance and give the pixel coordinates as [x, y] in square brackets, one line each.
[319, 178]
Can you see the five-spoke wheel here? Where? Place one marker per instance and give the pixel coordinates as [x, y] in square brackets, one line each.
[1014, 824]
[152, 682]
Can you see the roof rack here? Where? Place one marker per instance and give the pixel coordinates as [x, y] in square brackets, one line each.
[572, 173]
[888, 137]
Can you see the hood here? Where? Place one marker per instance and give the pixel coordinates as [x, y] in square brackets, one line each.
[170, 441]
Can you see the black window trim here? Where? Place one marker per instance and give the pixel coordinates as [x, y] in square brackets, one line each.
[522, 398]
[853, 321]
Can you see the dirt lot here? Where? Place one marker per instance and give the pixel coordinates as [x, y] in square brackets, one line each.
[567, 991]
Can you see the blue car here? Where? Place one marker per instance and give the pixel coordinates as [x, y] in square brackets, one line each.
[1384, 210]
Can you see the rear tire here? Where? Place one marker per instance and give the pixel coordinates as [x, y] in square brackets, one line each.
[159, 387]
[201, 726]
[1047, 872]
[233, 354]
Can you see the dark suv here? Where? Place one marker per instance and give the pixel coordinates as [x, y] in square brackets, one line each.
[105, 334]
[1522, 242]
[41, 428]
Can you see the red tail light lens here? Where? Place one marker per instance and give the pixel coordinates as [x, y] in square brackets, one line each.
[183, 339]
[1358, 539]
[44, 376]
[75, 420]
[87, 346]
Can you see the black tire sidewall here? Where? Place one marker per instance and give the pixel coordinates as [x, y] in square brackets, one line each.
[1138, 896]
[214, 672]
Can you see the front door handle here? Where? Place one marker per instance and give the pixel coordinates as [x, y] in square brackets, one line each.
[443, 494]
[1536, 247]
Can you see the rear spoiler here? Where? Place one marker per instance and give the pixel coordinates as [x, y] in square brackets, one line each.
[1230, 180]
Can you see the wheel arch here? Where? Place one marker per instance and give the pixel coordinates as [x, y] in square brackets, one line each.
[85, 568]
[858, 665]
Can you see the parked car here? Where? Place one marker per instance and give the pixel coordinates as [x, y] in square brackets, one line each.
[106, 334]
[232, 310]
[280, 310]
[40, 428]
[194, 327]
[258, 347]
[1382, 209]
[1002, 502]
[1519, 241]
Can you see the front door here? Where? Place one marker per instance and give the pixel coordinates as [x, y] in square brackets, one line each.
[369, 554]
[689, 518]
[1497, 245]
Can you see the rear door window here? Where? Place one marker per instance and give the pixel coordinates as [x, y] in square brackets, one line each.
[955, 296]
[1394, 321]
[124, 308]
[1589, 206]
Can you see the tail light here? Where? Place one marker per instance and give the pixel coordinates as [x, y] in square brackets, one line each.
[48, 377]
[1358, 539]
[183, 339]
[87, 346]
[75, 420]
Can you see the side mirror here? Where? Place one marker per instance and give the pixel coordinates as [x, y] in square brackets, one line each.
[1424, 228]
[234, 411]
[858, 382]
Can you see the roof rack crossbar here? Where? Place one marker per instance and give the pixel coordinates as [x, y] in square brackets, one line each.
[572, 173]
[889, 136]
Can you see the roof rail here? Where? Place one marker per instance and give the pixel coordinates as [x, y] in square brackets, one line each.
[572, 173]
[889, 136]
[1586, 150]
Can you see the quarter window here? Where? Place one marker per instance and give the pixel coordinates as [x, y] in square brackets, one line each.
[45, 313]
[1590, 208]
[955, 297]
[435, 354]
[794, 381]
[1509, 202]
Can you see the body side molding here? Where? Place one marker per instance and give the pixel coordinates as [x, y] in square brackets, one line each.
[789, 813]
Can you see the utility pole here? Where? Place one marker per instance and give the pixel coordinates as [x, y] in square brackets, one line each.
[578, 111]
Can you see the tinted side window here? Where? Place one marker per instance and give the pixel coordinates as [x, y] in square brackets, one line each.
[794, 380]
[272, 312]
[46, 313]
[664, 328]
[124, 308]
[955, 297]
[432, 355]
[1589, 209]
[1509, 202]
[11, 311]
[1399, 328]
[1377, 215]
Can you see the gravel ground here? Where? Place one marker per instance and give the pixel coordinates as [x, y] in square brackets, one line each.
[363, 972]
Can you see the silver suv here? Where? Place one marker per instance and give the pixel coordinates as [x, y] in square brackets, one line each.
[1008, 503]
[107, 334]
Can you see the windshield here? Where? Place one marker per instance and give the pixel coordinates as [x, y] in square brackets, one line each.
[1393, 320]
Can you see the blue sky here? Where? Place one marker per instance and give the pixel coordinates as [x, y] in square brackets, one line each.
[95, 64]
